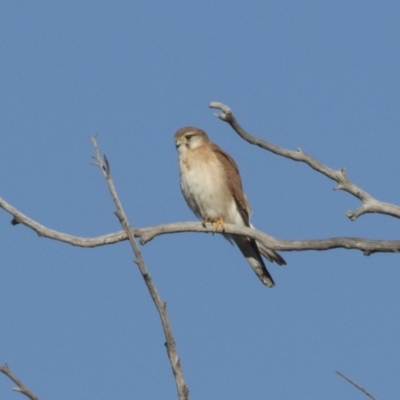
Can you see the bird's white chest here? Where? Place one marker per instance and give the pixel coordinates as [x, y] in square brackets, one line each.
[204, 186]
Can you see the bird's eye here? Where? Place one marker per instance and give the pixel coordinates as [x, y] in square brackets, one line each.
[188, 136]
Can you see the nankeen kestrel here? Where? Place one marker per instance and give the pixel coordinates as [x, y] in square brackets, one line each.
[211, 185]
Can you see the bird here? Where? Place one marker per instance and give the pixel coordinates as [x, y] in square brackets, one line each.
[211, 185]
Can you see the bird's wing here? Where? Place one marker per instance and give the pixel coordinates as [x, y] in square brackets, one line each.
[234, 182]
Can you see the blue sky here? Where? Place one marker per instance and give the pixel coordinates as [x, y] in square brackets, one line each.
[323, 76]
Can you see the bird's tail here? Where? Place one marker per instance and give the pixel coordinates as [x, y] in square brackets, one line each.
[249, 249]
[270, 255]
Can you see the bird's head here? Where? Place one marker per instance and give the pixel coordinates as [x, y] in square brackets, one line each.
[190, 137]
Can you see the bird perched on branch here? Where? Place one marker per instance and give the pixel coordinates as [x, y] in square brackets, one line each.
[212, 188]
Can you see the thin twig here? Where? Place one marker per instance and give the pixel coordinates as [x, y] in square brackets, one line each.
[183, 391]
[369, 203]
[146, 234]
[356, 385]
[20, 386]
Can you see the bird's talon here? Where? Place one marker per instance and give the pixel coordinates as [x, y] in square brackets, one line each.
[219, 222]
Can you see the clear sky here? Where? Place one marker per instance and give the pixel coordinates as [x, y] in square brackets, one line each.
[320, 75]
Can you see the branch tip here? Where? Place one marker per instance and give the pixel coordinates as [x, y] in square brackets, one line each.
[20, 385]
[226, 114]
[356, 385]
[351, 215]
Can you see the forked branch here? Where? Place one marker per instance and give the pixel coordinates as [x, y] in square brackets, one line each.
[369, 203]
[146, 234]
[20, 386]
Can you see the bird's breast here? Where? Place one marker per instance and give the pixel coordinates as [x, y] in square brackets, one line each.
[204, 186]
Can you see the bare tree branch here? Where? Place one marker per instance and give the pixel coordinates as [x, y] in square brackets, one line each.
[60, 236]
[367, 246]
[183, 391]
[20, 386]
[369, 203]
[146, 234]
[356, 385]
